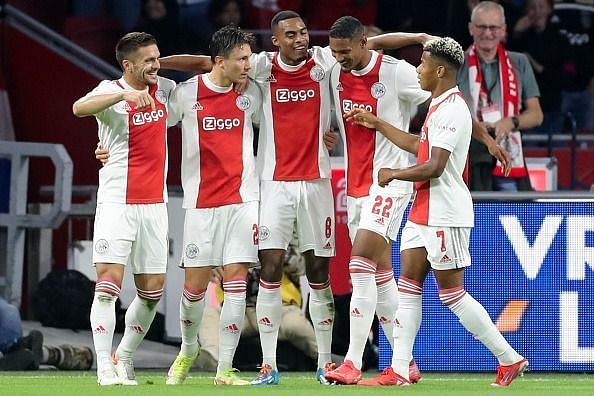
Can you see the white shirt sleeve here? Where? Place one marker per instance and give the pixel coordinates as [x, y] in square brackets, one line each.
[261, 64]
[323, 57]
[407, 84]
[104, 87]
[256, 107]
[446, 127]
[175, 106]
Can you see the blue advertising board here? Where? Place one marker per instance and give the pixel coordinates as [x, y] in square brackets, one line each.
[533, 271]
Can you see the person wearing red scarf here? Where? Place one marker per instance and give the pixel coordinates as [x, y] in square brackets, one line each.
[503, 95]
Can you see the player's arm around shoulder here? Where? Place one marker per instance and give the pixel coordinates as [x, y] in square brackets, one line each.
[397, 40]
[186, 63]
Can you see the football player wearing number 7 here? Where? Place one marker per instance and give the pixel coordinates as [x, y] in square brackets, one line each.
[436, 235]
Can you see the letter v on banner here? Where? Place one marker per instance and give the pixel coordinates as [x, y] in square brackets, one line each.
[531, 257]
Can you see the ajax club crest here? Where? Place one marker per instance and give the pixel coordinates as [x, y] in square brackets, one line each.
[317, 73]
[160, 96]
[378, 90]
[243, 102]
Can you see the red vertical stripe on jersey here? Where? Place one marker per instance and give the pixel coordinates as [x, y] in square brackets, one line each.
[419, 212]
[220, 141]
[355, 91]
[147, 152]
[295, 99]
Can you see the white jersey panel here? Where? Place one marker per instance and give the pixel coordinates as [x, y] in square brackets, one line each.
[137, 143]
[446, 200]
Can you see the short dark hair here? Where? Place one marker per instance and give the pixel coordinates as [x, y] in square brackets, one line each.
[225, 39]
[281, 16]
[347, 27]
[130, 43]
[447, 49]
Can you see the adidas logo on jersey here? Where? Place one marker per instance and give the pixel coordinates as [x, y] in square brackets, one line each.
[186, 322]
[326, 322]
[445, 259]
[380, 221]
[197, 106]
[328, 246]
[339, 87]
[271, 79]
[383, 320]
[127, 106]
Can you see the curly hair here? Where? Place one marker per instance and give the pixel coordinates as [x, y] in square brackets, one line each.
[447, 49]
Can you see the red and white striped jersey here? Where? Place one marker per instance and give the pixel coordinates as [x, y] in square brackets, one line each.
[445, 200]
[296, 113]
[136, 172]
[388, 88]
[218, 164]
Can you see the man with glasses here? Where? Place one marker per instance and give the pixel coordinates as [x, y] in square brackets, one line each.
[503, 95]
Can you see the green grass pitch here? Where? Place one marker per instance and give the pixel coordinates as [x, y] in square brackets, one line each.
[47, 383]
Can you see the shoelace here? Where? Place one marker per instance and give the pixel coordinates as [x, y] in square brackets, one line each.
[329, 366]
[386, 371]
[264, 370]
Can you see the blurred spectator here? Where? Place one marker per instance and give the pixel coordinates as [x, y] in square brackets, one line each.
[487, 82]
[259, 13]
[193, 15]
[127, 12]
[576, 21]
[225, 12]
[160, 18]
[320, 15]
[538, 37]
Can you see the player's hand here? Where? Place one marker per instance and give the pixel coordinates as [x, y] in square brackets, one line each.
[385, 176]
[101, 154]
[240, 87]
[424, 37]
[502, 156]
[216, 275]
[330, 139]
[361, 117]
[142, 99]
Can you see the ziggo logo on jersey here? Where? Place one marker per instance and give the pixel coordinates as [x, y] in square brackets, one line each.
[219, 124]
[147, 116]
[348, 105]
[284, 95]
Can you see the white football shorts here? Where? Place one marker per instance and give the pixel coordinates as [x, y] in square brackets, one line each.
[135, 234]
[447, 247]
[304, 206]
[380, 212]
[221, 235]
